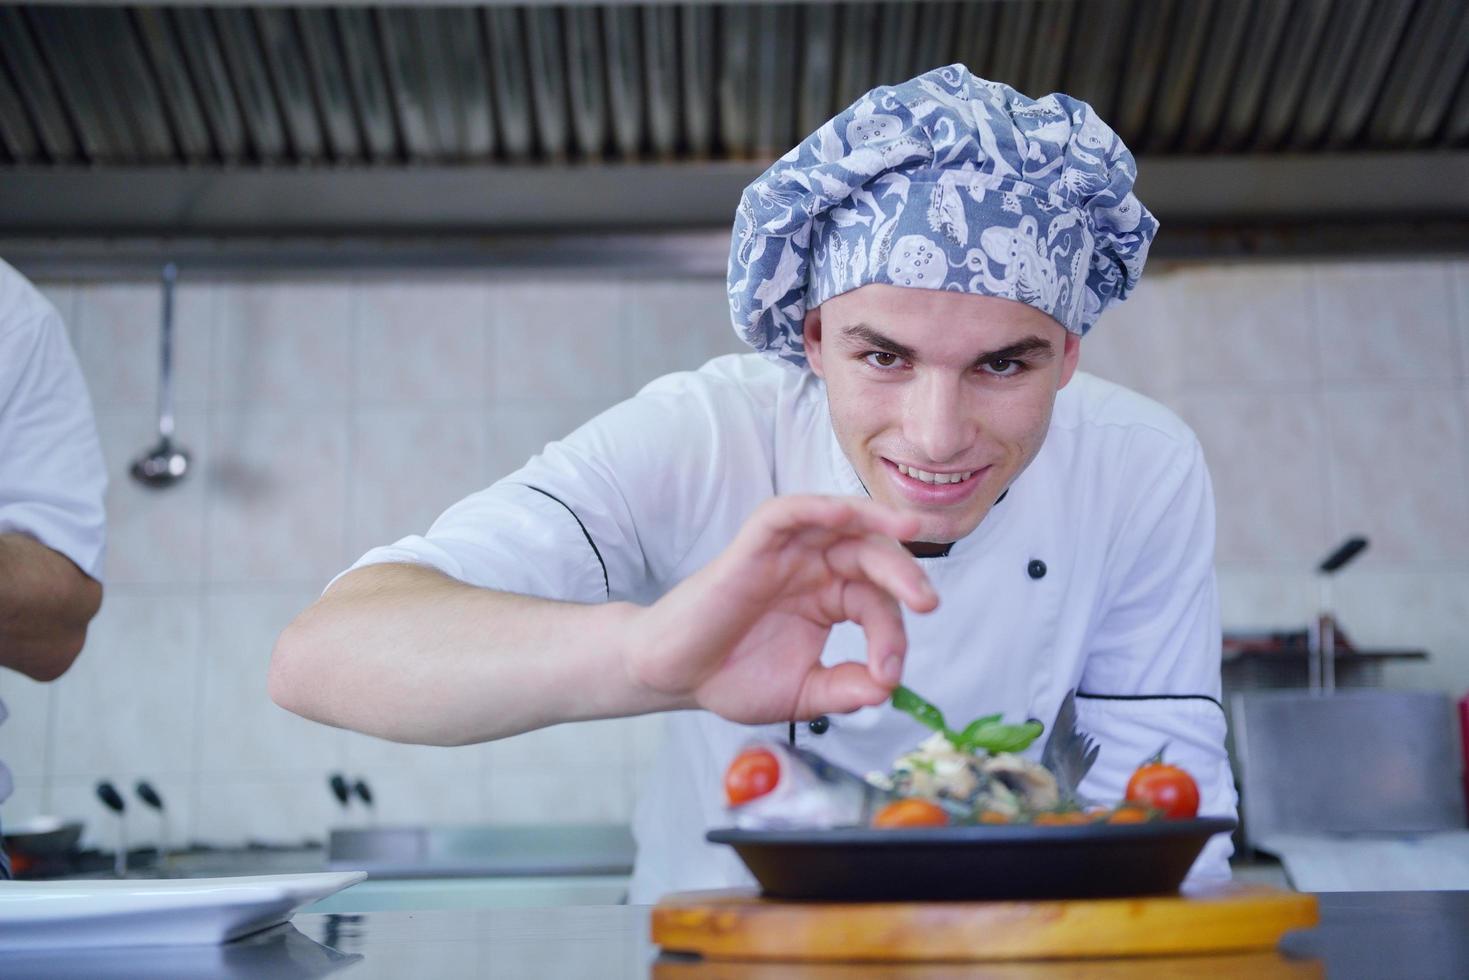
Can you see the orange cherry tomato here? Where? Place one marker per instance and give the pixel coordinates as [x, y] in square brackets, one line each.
[990, 816]
[752, 774]
[911, 812]
[1166, 788]
[1129, 814]
[1060, 818]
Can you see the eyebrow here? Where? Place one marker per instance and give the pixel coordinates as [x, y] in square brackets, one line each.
[1032, 345]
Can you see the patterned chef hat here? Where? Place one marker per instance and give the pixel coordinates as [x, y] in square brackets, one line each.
[946, 181]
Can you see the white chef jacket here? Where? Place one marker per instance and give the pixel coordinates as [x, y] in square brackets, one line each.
[52, 478]
[1117, 508]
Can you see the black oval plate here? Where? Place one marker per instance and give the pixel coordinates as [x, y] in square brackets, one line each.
[974, 862]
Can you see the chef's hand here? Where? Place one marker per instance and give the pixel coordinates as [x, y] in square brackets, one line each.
[743, 636]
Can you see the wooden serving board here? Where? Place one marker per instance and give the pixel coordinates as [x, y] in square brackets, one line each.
[740, 925]
[1256, 966]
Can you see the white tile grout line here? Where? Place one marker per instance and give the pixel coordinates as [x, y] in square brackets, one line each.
[485, 395]
[1457, 313]
[490, 398]
[1327, 478]
[354, 286]
[80, 329]
[47, 747]
[187, 832]
[1458, 276]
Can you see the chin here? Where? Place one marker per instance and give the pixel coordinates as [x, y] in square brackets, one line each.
[936, 529]
[945, 532]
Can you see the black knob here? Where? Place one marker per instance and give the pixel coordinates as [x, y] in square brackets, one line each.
[1036, 568]
[110, 797]
[148, 795]
[340, 789]
[363, 793]
[819, 725]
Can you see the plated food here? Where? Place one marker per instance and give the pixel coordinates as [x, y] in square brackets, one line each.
[961, 816]
[969, 776]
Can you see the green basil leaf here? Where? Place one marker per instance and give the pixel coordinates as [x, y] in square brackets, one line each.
[1003, 738]
[967, 735]
[924, 712]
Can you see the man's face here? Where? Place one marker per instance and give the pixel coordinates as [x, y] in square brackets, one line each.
[939, 399]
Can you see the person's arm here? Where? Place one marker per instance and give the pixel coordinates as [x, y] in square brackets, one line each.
[46, 602]
[407, 653]
[52, 483]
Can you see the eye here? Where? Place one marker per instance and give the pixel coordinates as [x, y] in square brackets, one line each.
[883, 360]
[1003, 367]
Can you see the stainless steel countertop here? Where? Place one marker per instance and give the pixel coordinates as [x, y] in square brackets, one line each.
[483, 851]
[389, 852]
[1362, 935]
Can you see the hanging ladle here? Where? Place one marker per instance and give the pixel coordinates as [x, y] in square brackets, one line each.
[165, 464]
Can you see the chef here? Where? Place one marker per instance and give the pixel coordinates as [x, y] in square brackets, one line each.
[910, 481]
[52, 482]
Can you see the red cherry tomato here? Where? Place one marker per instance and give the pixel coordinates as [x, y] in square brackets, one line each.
[752, 774]
[1165, 788]
[911, 812]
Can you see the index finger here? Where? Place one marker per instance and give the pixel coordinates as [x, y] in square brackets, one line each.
[889, 566]
[847, 515]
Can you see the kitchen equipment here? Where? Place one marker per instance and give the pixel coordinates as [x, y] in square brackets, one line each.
[1016, 861]
[112, 799]
[341, 790]
[344, 790]
[1464, 744]
[1227, 917]
[165, 464]
[40, 841]
[1321, 664]
[564, 850]
[43, 835]
[150, 797]
[1362, 762]
[155, 911]
[1326, 782]
[365, 795]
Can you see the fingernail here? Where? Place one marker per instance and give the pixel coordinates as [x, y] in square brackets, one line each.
[892, 668]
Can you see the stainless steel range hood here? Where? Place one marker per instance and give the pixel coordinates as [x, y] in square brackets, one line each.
[1262, 125]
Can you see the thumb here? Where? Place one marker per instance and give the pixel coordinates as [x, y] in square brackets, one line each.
[840, 690]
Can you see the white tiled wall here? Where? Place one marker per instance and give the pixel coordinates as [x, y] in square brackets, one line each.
[329, 415]
[1331, 399]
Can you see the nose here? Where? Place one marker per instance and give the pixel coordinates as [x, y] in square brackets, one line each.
[936, 421]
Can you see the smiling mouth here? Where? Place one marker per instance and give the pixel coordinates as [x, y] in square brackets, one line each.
[938, 479]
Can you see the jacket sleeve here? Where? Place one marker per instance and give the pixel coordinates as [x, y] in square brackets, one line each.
[1151, 676]
[52, 477]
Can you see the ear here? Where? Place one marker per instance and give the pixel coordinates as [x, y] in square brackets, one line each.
[811, 330]
[1070, 354]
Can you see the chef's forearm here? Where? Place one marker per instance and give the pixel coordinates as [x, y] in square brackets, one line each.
[406, 653]
[46, 602]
